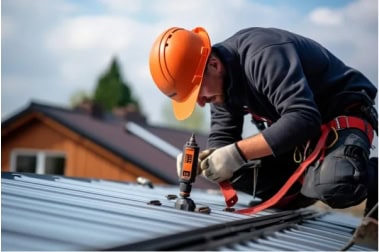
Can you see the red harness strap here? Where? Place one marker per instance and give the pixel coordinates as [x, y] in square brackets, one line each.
[229, 193]
[339, 123]
[344, 122]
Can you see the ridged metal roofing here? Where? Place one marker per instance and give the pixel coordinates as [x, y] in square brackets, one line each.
[42, 212]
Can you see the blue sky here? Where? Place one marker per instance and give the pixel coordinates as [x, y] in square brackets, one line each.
[53, 48]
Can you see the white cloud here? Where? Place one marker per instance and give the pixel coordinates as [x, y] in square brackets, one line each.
[360, 13]
[79, 46]
[363, 11]
[124, 6]
[353, 38]
[325, 16]
[7, 28]
[221, 19]
[15, 84]
[89, 33]
[86, 45]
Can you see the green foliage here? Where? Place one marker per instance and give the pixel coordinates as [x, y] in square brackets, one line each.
[111, 91]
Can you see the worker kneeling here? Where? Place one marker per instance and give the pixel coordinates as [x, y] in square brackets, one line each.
[315, 114]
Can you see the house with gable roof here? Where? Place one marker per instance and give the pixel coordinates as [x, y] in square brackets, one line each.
[86, 142]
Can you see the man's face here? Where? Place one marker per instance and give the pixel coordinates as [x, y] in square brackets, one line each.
[211, 90]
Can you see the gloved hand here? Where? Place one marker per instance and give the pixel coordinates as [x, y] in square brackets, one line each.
[203, 154]
[222, 163]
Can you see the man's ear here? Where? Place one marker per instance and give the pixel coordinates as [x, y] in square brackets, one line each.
[212, 60]
[213, 63]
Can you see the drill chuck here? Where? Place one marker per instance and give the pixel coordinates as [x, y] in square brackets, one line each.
[185, 189]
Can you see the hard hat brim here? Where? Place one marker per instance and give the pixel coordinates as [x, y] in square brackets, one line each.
[183, 110]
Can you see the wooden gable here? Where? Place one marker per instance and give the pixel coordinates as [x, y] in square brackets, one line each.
[35, 131]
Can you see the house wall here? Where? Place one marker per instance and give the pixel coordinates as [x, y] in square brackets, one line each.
[83, 157]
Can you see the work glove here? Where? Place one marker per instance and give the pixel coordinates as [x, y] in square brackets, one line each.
[202, 155]
[222, 163]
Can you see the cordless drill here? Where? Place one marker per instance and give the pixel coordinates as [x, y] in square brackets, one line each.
[188, 175]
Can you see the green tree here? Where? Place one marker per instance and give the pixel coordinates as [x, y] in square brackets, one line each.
[197, 121]
[111, 91]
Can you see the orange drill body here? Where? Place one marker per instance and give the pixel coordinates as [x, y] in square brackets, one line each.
[188, 174]
[189, 166]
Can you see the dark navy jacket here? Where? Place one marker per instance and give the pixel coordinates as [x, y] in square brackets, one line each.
[286, 78]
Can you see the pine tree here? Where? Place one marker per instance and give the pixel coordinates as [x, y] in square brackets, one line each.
[111, 91]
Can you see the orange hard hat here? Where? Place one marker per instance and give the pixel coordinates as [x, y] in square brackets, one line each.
[177, 62]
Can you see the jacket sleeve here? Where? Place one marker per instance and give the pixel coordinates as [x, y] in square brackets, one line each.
[226, 126]
[278, 75]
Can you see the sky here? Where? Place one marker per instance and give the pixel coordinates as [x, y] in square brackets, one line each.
[51, 49]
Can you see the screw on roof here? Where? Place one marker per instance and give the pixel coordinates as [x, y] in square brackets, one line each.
[171, 196]
[154, 203]
[203, 209]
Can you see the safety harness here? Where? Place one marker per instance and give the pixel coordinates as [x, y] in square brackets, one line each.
[338, 123]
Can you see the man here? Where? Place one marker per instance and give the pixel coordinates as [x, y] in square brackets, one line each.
[292, 86]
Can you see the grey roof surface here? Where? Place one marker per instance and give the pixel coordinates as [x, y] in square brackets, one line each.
[41, 212]
[109, 132]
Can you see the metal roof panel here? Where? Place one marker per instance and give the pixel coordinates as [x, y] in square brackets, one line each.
[41, 212]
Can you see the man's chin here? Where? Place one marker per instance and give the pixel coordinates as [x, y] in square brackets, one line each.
[219, 100]
[218, 103]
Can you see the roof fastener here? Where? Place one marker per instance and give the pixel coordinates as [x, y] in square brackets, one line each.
[203, 209]
[171, 196]
[229, 209]
[154, 203]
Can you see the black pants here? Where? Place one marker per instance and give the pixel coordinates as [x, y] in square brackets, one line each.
[341, 180]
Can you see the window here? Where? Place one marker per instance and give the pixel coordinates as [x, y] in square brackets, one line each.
[38, 161]
[26, 163]
[54, 165]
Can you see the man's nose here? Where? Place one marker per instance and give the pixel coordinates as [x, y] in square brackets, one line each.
[201, 100]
